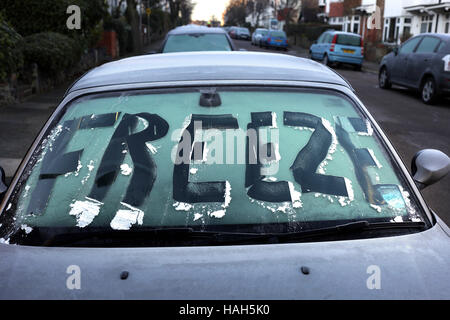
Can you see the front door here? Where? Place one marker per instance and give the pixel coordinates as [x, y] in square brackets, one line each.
[399, 68]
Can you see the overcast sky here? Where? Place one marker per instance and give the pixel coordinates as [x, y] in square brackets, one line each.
[204, 9]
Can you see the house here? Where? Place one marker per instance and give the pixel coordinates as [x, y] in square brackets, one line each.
[336, 14]
[274, 15]
[405, 18]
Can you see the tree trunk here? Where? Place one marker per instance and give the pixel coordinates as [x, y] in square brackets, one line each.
[133, 20]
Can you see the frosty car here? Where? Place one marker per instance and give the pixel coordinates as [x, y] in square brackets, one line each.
[219, 176]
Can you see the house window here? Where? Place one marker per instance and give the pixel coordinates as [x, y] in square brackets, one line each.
[355, 27]
[407, 20]
[427, 24]
[447, 26]
[406, 31]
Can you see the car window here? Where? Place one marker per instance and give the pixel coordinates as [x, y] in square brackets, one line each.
[250, 159]
[348, 40]
[328, 38]
[428, 45]
[280, 34]
[409, 46]
[197, 42]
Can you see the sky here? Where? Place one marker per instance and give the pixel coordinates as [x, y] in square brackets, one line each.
[204, 9]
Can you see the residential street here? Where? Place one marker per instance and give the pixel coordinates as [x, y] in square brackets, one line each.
[410, 124]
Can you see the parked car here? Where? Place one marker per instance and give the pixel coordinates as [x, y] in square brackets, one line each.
[421, 63]
[257, 35]
[239, 33]
[130, 184]
[274, 39]
[338, 47]
[196, 38]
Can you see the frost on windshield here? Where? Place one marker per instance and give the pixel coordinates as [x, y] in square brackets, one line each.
[291, 158]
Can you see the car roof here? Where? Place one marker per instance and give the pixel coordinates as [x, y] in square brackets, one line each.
[343, 32]
[442, 36]
[192, 28]
[198, 66]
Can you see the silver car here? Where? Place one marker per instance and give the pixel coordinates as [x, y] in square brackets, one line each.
[219, 175]
[257, 35]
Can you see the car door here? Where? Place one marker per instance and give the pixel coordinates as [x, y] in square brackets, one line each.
[315, 48]
[399, 67]
[421, 60]
[325, 45]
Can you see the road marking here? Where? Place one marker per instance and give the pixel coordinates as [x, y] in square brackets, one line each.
[10, 165]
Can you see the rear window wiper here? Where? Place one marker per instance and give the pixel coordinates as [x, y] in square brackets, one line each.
[351, 228]
[219, 237]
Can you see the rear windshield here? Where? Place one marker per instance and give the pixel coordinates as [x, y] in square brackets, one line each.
[197, 42]
[277, 34]
[235, 159]
[349, 40]
[243, 30]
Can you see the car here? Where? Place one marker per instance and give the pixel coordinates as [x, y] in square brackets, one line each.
[422, 63]
[178, 176]
[196, 38]
[338, 47]
[274, 39]
[256, 36]
[239, 33]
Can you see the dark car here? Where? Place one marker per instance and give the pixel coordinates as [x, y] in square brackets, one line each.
[421, 63]
[239, 33]
[196, 38]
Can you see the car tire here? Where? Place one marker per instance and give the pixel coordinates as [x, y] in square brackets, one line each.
[358, 67]
[383, 79]
[428, 91]
[325, 60]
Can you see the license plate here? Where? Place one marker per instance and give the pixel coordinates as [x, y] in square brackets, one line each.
[348, 51]
[278, 40]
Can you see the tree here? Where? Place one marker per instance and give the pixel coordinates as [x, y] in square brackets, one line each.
[257, 8]
[236, 12]
[133, 19]
[186, 9]
[288, 10]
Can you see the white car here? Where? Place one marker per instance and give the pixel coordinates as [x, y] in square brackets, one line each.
[219, 175]
[257, 35]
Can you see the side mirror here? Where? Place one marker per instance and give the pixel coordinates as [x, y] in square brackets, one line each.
[429, 166]
[395, 50]
[3, 186]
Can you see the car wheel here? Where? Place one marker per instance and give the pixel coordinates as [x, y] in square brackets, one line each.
[383, 79]
[358, 67]
[325, 60]
[428, 90]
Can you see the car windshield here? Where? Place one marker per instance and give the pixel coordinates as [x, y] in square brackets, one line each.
[243, 30]
[349, 40]
[197, 42]
[278, 34]
[241, 159]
